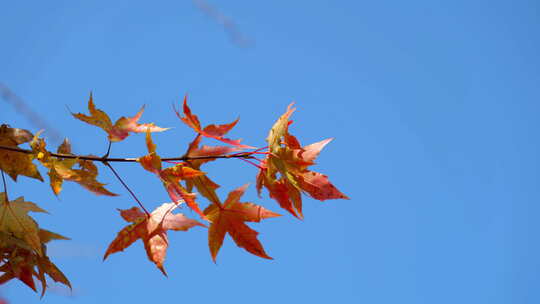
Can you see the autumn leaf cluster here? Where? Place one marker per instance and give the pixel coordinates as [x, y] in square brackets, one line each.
[284, 171]
[23, 245]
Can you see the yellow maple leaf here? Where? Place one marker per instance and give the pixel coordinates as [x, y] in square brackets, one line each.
[14, 219]
[61, 169]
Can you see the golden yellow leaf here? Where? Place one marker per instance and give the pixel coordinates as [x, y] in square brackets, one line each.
[14, 219]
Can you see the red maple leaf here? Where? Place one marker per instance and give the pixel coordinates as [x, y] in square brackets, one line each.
[151, 230]
[285, 174]
[212, 131]
[171, 177]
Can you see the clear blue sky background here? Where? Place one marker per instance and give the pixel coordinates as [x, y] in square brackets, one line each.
[434, 107]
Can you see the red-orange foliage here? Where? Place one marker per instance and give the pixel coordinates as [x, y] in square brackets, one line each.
[283, 172]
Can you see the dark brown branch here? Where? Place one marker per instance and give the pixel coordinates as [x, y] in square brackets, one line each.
[126, 160]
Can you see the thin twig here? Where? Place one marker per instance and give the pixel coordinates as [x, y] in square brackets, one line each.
[5, 185]
[251, 163]
[126, 186]
[108, 150]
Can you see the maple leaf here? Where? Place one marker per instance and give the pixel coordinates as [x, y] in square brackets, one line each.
[19, 265]
[121, 128]
[61, 169]
[151, 230]
[23, 245]
[279, 129]
[14, 219]
[171, 177]
[45, 266]
[287, 196]
[15, 163]
[211, 131]
[20, 261]
[46, 236]
[230, 218]
[285, 174]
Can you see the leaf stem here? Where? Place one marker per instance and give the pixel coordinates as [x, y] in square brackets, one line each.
[251, 163]
[126, 186]
[108, 150]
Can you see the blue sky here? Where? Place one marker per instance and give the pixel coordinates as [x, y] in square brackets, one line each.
[433, 105]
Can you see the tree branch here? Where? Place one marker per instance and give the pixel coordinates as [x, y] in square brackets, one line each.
[128, 159]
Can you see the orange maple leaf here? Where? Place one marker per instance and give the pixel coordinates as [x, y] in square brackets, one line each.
[212, 131]
[284, 171]
[151, 230]
[230, 218]
[121, 128]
